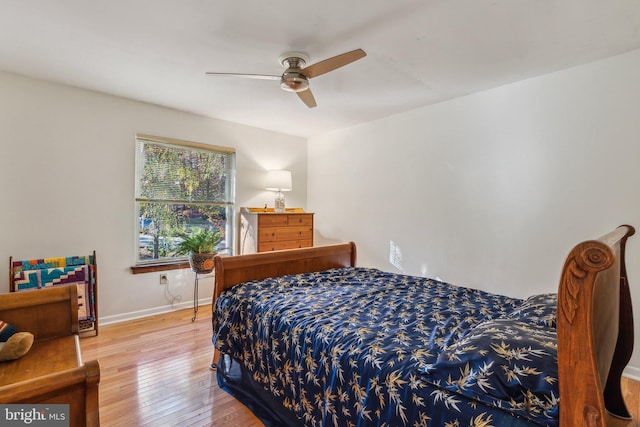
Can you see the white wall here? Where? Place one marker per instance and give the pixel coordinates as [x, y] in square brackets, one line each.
[67, 182]
[490, 190]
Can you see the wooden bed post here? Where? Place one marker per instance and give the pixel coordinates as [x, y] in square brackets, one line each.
[595, 331]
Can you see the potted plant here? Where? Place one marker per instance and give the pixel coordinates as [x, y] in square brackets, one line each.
[200, 245]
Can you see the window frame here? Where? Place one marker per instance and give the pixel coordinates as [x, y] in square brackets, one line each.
[169, 263]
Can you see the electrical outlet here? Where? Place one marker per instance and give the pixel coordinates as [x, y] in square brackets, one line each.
[395, 256]
[163, 279]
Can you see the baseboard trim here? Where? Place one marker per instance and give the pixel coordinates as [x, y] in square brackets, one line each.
[118, 318]
[632, 372]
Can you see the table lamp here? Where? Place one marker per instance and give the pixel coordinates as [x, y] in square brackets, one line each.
[279, 180]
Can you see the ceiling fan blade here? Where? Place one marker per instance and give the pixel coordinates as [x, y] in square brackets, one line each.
[245, 76]
[307, 98]
[331, 64]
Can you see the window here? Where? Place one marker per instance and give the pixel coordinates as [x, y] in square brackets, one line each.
[181, 187]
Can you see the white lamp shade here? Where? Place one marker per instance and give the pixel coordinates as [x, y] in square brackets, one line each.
[279, 181]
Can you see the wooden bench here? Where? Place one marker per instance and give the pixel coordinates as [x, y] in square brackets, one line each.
[52, 371]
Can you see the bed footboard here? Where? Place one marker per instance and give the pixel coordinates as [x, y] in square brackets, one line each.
[595, 331]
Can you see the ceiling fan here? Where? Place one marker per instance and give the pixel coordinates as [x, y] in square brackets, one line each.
[296, 76]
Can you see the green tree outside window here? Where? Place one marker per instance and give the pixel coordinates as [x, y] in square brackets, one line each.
[181, 187]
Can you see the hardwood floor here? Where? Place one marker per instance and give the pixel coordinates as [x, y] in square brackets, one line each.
[155, 372]
[631, 392]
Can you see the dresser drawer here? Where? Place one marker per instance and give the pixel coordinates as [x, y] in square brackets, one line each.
[272, 234]
[271, 220]
[288, 244]
[299, 219]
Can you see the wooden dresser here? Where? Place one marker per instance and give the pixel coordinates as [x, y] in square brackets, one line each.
[263, 230]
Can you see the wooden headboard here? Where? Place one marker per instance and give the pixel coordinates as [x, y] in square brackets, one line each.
[595, 330]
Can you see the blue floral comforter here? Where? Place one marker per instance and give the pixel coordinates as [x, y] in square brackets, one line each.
[363, 347]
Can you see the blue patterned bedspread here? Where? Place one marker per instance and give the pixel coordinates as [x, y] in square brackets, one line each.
[362, 347]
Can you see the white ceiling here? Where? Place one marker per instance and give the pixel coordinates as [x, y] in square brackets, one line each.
[418, 51]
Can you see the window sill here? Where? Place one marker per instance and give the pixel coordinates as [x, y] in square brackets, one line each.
[160, 266]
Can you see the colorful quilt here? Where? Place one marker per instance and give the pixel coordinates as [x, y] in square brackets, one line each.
[362, 347]
[47, 272]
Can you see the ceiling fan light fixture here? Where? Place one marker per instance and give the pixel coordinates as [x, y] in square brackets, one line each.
[294, 81]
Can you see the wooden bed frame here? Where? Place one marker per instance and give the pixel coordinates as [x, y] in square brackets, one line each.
[594, 320]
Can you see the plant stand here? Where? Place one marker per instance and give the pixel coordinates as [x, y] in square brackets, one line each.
[200, 263]
[199, 276]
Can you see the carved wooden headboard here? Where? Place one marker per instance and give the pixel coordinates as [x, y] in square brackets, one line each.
[595, 330]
